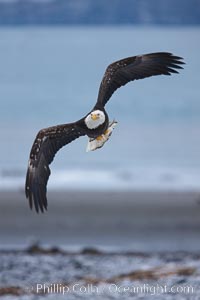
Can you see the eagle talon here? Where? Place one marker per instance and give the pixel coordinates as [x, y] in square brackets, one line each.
[100, 140]
[100, 137]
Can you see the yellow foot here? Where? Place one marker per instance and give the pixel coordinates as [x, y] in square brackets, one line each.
[99, 141]
[107, 132]
[100, 138]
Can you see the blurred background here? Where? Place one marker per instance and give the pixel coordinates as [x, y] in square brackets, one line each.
[141, 190]
[128, 213]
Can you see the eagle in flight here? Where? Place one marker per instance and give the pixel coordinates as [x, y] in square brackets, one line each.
[95, 124]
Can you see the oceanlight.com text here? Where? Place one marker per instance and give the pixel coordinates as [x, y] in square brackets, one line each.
[112, 288]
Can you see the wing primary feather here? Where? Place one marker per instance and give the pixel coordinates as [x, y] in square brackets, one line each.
[35, 197]
[48, 141]
[172, 70]
[132, 68]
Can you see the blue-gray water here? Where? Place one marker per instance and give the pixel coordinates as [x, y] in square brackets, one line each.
[51, 76]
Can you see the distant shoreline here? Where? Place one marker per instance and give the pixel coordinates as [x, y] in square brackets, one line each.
[99, 12]
[97, 25]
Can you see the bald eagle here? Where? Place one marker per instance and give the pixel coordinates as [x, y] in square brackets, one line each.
[95, 124]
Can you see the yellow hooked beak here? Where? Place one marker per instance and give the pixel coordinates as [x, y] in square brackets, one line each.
[94, 117]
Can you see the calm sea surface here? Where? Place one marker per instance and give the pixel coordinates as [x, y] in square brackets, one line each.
[51, 76]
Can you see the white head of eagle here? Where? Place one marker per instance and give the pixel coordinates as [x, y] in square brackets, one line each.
[95, 119]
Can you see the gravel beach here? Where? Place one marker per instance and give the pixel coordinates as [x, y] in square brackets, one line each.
[108, 242]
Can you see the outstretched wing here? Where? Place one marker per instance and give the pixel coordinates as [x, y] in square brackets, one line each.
[48, 141]
[121, 72]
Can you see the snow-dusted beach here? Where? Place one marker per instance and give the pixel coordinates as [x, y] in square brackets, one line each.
[100, 238]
